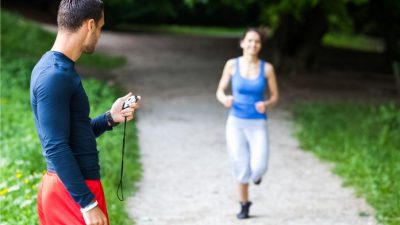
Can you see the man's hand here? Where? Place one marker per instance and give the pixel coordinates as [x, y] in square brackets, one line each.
[95, 216]
[118, 114]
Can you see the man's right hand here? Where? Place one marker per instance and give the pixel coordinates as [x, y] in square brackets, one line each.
[95, 217]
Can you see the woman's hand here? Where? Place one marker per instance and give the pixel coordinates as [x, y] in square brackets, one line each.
[118, 115]
[261, 107]
[228, 101]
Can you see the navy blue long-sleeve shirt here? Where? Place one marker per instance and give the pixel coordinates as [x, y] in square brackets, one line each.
[67, 134]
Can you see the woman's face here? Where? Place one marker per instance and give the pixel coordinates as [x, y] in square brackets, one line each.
[251, 44]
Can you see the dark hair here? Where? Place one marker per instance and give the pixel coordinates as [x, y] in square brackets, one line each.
[72, 13]
[261, 32]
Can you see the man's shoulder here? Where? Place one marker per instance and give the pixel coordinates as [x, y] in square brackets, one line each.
[50, 70]
[50, 75]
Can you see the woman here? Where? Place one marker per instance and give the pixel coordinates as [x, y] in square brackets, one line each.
[246, 128]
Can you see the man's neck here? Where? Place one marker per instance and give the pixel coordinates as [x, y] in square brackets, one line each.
[69, 44]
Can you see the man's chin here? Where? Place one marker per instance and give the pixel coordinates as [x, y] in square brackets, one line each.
[88, 50]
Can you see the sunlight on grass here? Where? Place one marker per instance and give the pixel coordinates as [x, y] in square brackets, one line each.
[180, 29]
[355, 42]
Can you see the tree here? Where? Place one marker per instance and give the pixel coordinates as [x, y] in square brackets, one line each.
[297, 26]
[300, 25]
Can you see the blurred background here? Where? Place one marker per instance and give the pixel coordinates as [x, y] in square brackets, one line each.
[305, 35]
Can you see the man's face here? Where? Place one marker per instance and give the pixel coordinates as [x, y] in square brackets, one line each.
[94, 36]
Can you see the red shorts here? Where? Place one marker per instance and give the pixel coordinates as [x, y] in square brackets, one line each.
[56, 206]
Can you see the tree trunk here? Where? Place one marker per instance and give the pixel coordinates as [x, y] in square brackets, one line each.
[295, 43]
[387, 18]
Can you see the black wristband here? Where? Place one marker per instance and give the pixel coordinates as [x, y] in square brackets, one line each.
[110, 119]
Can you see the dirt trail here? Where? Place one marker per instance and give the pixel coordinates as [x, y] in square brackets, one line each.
[187, 178]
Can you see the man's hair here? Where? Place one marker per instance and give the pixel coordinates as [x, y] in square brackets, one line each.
[72, 13]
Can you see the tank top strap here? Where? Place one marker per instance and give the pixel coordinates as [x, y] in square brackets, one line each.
[262, 69]
[237, 66]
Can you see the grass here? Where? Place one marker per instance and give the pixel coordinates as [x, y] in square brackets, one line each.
[352, 41]
[22, 38]
[364, 143]
[21, 162]
[181, 29]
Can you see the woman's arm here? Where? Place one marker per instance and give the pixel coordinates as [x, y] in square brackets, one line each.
[226, 100]
[263, 106]
[272, 86]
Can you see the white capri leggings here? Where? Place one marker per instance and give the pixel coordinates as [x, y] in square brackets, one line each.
[247, 141]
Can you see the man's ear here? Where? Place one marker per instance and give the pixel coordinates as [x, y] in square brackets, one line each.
[91, 25]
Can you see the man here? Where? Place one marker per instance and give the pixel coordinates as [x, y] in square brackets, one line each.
[71, 191]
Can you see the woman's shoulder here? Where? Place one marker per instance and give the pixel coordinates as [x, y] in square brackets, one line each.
[267, 66]
[231, 61]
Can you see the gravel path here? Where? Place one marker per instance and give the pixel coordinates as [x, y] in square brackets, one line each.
[187, 178]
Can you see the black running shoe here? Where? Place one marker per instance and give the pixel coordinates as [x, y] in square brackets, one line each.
[244, 210]
[258, 182]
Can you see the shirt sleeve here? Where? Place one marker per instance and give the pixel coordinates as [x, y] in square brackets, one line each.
[53, 94]
[100, 125]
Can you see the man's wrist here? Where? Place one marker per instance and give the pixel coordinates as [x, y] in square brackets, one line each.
[89, 207]
[110, 120]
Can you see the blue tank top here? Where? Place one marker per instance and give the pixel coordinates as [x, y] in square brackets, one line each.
[246, 92]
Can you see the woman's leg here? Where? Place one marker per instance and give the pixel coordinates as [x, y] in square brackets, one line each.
[259, 151]
[240, 155]
[238, 150]
[244, 201]
[244, 192]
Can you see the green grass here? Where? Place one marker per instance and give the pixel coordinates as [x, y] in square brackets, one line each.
[21, 162]
[364, 143]
[21, 38]
[181, 29]
[352, 41]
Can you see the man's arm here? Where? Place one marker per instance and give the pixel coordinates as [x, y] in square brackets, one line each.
[100, 125]
[53, 94]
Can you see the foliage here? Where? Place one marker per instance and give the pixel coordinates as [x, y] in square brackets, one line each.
[336, 11]
[129, 10]
[21, 162]
[363, 142]
[356, 42]
[180, 29]
[15, 28]
[20, 172]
